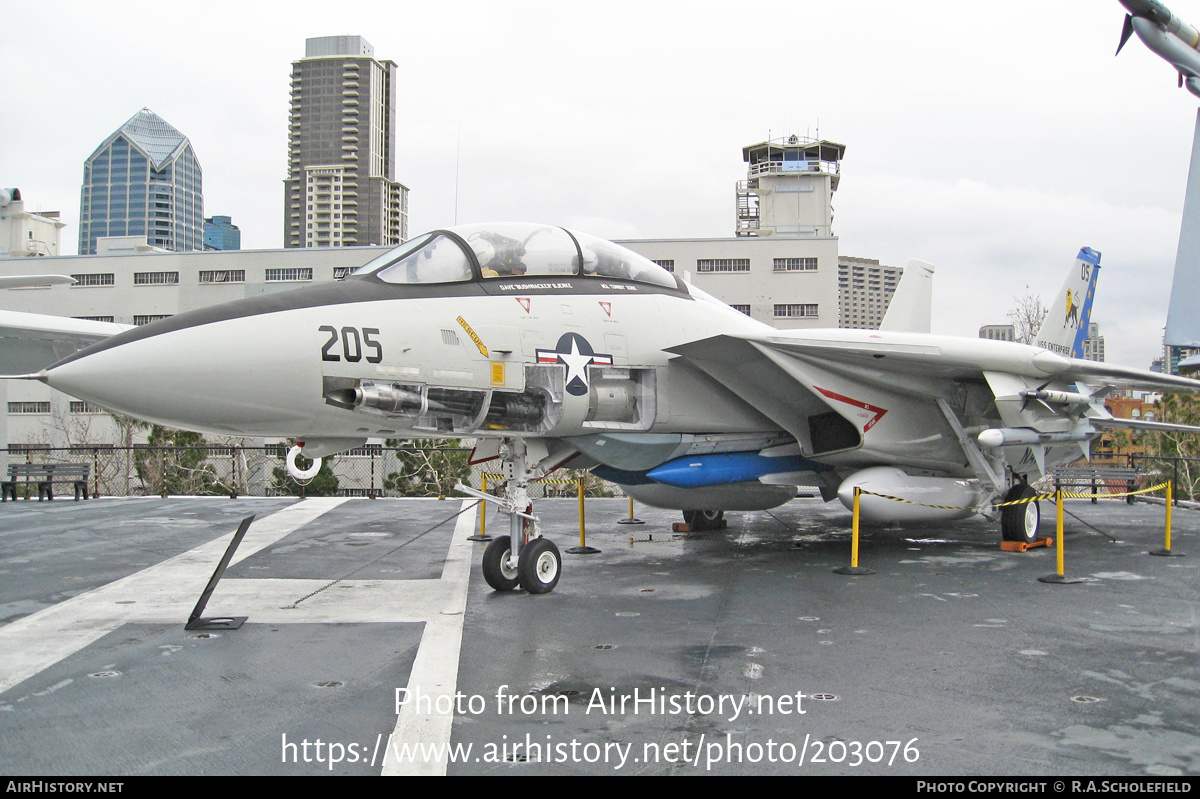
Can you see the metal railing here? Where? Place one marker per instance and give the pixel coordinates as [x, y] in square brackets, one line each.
[1184, 473]
[259, 471]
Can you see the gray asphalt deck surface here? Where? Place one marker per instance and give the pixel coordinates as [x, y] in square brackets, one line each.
[951, 659]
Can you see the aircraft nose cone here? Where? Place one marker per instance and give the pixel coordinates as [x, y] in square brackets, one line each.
[240, 376]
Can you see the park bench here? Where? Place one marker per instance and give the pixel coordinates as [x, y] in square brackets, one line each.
[1097, 479]
[45, 475]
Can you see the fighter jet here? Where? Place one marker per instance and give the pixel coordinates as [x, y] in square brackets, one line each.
[552, 347]
[1167, 35]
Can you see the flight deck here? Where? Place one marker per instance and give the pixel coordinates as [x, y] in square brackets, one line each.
[374, 646]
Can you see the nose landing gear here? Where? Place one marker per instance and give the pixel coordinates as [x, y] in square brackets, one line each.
[523, 557]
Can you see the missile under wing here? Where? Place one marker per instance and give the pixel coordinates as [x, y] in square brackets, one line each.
[1166, 35]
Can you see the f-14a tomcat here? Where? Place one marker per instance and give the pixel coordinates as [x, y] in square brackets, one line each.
[552, 347]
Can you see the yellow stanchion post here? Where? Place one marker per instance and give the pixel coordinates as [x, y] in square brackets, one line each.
[853, 569]
[1059, 577]
[583, 548]
[1166, 550]
[632, 519]
[482, 536]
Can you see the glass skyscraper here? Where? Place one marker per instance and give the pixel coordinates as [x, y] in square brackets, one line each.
[143, 180]
[221, 234]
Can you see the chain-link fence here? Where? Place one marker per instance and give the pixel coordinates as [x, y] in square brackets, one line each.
[370, 471]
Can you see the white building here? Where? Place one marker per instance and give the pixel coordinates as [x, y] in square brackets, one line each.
[783, 282]
[135, 289]
[1093, 345]
[24, 234]
[865, 289]
[781, 265]
[998, 332]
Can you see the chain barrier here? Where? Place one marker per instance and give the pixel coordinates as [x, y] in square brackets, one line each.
[1025, 501]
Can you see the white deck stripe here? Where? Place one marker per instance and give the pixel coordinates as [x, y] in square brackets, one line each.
[164, 592]
[435, 670]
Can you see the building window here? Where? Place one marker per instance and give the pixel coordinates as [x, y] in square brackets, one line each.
[723, 265]
[668, 264]
[155, 278]
[340, 272]
[223, 276]
[795, 310]
[795, 264]
[743, 308]
[146, 319]
[95, 279]
[278, 275]
[365, 451]
[95, 318]
[29, 407]
[85, 407]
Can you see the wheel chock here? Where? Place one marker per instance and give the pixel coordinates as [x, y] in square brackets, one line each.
[1021, 546]
[681, 527]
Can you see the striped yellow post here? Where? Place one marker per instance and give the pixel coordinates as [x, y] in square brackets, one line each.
[1170, 498]
[482, 507]
[854, 530]
[583, 548]
[1059, 577]
[632, 519]
[1058, 513]
[853, 569]
[579, 487]
[1166, 550]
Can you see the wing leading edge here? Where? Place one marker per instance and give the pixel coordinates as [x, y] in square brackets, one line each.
[907, 398]
[29, 342]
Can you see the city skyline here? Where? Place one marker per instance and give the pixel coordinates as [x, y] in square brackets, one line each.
[995, 158]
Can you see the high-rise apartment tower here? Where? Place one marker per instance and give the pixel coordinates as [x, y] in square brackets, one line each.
[341, 188]
[143, 180]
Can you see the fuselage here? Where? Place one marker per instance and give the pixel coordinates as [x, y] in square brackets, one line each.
[530, 331]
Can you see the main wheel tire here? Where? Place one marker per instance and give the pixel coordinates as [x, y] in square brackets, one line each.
[539, 566]
[495, 565]
[700, 520]
[1020, 522]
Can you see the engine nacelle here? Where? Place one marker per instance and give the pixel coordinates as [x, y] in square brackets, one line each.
[733, 496]
[961, 495]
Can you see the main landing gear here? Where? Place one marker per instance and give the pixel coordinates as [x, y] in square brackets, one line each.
[1020, 522]
[700, 520]
[522, 558]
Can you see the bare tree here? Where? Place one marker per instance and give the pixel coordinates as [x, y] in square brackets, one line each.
[1027, 314]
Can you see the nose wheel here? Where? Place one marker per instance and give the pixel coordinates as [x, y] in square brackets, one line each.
[499, 573]
[539, 566]
[536, 569]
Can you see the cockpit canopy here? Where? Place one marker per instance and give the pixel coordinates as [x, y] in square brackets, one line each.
[510, 249]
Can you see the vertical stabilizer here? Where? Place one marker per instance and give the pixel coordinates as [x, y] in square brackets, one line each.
[1066, 324]
[1183, 323]
[911, 307]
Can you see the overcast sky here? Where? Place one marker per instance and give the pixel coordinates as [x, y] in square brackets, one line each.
[991, 139]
